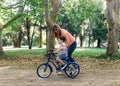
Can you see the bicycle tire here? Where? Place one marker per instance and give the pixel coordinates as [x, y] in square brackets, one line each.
[72, 70]
[44, 70]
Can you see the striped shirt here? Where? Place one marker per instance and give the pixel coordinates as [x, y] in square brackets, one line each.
[63, 48]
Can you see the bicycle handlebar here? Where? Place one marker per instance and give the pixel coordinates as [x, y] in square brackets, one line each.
[51, 52]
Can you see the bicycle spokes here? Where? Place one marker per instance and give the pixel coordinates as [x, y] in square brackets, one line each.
[44, 71]
[72, 70]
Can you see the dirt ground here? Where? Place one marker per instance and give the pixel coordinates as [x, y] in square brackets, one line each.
[94, 72]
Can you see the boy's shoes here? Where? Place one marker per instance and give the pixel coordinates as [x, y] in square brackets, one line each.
[58, 69]
[59, 72]
[63, 66]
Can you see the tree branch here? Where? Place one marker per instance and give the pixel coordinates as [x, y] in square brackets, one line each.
[11, 7]
[57, 5]
[5, 25]
[47, 13]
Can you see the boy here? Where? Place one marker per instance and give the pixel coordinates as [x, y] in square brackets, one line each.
[62, 50]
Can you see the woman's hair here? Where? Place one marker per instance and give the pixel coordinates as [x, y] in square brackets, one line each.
[62, 38]
[57, 30]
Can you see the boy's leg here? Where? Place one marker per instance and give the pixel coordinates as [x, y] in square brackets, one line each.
[63, 64]
[59, 60]
[58, 71]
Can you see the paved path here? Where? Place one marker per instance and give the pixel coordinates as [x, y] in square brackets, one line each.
[27, 77]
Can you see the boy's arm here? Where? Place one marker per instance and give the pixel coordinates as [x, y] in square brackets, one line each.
[58, 49]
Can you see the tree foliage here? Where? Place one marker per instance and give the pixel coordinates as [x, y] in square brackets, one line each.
[99, 29]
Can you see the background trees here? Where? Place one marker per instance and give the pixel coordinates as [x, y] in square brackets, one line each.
[99, 31]
[85, 19]
[7, 19]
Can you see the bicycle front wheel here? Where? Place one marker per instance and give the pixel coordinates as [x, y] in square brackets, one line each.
[72, 70]
[44, 70]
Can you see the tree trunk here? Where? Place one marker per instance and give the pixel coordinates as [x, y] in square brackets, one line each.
[17, 39]
[40, 39]
[113, 28]
[27, 26]
[51, 20]
[1, 49]
[89, 40]
[49, 38]
[49, 26]
[81, 39]
[98, 43]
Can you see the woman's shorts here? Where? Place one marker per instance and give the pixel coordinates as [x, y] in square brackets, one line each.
[63, 56]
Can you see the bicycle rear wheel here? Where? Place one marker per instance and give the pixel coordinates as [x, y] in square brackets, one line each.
[44, 70]
[72, 70]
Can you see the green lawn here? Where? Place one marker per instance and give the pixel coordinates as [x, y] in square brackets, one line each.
[89, 52]
[79, 52]
[25, 51]
[94, 53]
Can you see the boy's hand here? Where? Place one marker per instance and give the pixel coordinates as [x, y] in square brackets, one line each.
[54, 52]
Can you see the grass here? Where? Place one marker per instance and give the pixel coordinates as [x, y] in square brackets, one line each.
[89, 52]
[79, 52]
[15, 53]
[25, 51]
[94, 53]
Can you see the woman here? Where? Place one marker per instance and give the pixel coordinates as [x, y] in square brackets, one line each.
[70, 40]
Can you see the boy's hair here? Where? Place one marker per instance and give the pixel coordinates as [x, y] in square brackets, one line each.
[62, 38]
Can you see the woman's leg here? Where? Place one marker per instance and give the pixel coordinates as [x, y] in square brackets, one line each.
[71, 48]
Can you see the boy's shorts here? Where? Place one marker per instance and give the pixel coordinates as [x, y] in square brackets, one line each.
[63, 56]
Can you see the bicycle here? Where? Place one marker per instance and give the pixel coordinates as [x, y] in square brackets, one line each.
[44, 70]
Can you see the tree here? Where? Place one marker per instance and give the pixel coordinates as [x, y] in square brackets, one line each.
[51, 20]
[99, 31]
[3, 27]
[5, 15]
[17, 42]
[113, 26]
[35, 15]
[78, 11]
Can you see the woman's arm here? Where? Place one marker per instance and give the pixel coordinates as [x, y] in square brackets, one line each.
[64, 33]
[67, 40]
